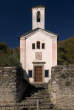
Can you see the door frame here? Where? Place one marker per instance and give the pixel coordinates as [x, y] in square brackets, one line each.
[35, 65]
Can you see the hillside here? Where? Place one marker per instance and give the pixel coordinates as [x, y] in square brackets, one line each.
[66, 51]
[10, 57]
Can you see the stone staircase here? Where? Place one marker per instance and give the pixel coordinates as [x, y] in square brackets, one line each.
[37, 96]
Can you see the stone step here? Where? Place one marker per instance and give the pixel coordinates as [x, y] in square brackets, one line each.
[37, 92]
[35, 101]
[38, 97]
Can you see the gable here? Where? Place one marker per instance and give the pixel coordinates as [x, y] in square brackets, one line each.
[36, 31]
[38, 36]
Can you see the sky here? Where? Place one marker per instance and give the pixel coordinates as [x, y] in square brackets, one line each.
[16, 18]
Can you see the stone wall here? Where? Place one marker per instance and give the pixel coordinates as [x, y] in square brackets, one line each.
[61, 87]
[12, 85]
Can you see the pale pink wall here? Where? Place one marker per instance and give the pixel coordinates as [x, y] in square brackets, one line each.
[54, 53]
[23, 53]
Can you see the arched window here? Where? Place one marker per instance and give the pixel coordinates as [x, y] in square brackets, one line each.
[43, 45]
[38, 16]
[33, 45]
[38, 44]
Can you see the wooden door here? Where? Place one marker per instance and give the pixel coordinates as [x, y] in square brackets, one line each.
[38, 74]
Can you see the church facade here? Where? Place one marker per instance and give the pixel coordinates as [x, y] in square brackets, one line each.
[38, 49]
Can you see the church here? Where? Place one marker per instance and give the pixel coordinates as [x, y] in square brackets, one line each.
[38, 49]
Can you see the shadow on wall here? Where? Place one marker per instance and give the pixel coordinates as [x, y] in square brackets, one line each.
[26, 76]
[22, 81]
[12, 84]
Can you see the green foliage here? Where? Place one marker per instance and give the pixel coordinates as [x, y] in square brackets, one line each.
[9, 57]
[4, 48]
[66, 51]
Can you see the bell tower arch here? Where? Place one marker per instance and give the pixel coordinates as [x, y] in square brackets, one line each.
[38, 17]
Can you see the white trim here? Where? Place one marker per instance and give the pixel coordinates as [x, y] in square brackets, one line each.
[30, 34]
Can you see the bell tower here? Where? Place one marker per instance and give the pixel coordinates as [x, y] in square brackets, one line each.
[38, 17]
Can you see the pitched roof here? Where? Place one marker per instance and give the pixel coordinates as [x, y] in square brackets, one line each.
[34, 30]
[39, 6]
